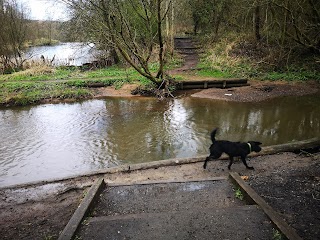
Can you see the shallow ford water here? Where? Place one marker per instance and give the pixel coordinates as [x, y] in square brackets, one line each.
[58, 140]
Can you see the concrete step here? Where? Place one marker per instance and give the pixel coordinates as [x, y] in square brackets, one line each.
[165, 197]
[238, 222]
[198, 209]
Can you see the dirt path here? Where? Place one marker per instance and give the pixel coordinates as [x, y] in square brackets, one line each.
[186, 47]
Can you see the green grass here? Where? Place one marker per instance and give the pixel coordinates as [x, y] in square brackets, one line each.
[114, 71]
[277, 235]
[226, 67]
[40, 83]
[212, 72]
[14, 93]
[228, 58]
[221, 66]
[41, 73]
[45, 73]
[175, 62]
[239, 194]
[65, 87]
[291, 76]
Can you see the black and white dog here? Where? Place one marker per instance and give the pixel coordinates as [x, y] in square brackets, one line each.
[232, 149]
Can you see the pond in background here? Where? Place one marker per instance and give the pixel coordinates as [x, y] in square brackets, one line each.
[58, 140]
[69, 53]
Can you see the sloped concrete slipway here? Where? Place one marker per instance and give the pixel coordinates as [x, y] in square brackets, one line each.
[202, 209]
[185, 210]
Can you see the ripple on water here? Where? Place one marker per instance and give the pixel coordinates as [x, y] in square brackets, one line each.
[50, 141]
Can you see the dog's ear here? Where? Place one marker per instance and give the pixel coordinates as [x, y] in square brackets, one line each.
[258, 143]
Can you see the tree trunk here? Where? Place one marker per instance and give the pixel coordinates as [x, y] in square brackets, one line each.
[160, 39]
[114, 56]
[257, 22]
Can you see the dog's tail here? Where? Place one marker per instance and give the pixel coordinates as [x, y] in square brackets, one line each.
[213, 135]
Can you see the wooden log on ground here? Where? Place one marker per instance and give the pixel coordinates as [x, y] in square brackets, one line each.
[293, 146]
[222, 80]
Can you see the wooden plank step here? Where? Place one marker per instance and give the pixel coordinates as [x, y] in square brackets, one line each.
[254, 197]
[83, 209]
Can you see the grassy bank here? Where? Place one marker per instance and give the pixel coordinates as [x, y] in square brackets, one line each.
[13, 94]
[43, 42]
[48, 73]
[46, 83]
[240, 56]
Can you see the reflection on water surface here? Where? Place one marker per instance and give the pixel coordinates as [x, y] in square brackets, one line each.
[52, 141]
[69, 53]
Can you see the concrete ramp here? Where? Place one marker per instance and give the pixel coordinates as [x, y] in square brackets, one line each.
[187, 210]
[165, 197]
[242, 222]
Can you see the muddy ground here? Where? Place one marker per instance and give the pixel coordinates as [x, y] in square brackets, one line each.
[256, 92]
[289, 182]
[259, 91]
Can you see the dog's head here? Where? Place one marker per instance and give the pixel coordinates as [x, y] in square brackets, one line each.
[255, 146]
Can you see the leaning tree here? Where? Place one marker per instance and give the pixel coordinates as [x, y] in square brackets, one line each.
[134, 28]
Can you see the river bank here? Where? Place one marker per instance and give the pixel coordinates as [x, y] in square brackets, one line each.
[47, 84]
[256, 92]
[259, 91]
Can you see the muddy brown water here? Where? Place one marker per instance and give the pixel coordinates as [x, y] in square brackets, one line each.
[58, 140]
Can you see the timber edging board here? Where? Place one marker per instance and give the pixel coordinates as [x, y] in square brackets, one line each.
[82, 210]
[286, 230]
[199, 84]
[204, 84]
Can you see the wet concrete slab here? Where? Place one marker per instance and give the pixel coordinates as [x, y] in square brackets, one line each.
[241, 222]
[165, 197]
[189, 210]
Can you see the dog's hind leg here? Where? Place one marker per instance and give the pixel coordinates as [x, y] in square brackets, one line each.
[205, 162]
[245, 163]
[230, 163]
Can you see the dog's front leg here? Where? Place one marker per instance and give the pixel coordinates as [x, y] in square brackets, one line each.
[205, 162]
[231, 162]
[245, 163]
